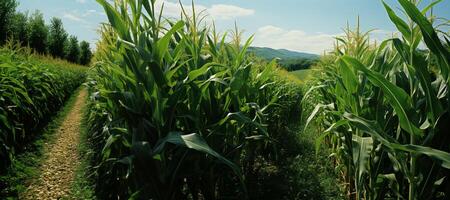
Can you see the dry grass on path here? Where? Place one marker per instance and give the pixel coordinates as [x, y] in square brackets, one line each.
[58, 170]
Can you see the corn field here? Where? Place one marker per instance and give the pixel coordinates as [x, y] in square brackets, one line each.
[385, 108]
[176, 111]
[32, 89]
[171, 108]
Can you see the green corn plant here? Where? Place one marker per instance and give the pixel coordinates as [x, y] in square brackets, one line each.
[177, 112]
[32, 88]
[386, 110]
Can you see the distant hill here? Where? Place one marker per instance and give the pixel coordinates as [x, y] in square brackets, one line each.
[283, 54]
[290, 60]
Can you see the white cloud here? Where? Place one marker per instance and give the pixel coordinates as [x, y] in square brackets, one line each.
[90, 12]
[222, 11]
[217, 11]
[81, 16]
[270, 30]
[81, 1]
[297, 40]
[172, 9]
[73, 17]
[380, 35]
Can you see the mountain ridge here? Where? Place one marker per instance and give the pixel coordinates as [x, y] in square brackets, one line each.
[283, 54]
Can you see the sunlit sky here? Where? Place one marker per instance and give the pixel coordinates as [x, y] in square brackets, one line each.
[300, 25]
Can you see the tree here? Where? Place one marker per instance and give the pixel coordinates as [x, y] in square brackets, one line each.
[19, 27]
[38, 32]
[57, 38]
[7, 9]
[73, 50]
[86, 54]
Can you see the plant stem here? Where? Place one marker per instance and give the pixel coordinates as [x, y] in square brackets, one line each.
[412, 182]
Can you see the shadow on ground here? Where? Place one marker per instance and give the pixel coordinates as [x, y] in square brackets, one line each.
[299, 173]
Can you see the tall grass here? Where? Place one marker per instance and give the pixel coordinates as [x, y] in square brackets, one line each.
[386, 109]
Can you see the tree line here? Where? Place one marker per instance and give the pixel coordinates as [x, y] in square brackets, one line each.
[31, 30]
[297, 64]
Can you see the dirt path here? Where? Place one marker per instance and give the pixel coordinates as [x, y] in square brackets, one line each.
[58, 170]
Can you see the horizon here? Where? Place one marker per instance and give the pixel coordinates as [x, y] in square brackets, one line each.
[278, 26]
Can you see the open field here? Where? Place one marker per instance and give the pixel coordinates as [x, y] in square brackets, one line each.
[303, 74]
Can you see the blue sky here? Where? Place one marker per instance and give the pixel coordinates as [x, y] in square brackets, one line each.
[301, 25]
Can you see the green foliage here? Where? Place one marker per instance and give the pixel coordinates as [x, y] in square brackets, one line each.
[177, 113]
[7, 9]
[73, 50]
[32, 88]
[85, 53]
[57, 38]
[297, 64]
[386, 110]
[289, 60]
[52, 39]
[20, 28]
[26, 164]
[303, 74]
[38, 32]
[282, 54]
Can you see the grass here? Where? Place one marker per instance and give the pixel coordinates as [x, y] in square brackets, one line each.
[314, 173]
[303, 74]
[311, 173]
[312, 168]
[25, 166]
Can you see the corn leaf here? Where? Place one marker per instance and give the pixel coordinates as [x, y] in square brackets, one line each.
[398, 98]
[195, 142]
[398, 22]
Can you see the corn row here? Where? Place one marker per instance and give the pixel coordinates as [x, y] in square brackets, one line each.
[32, 89]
